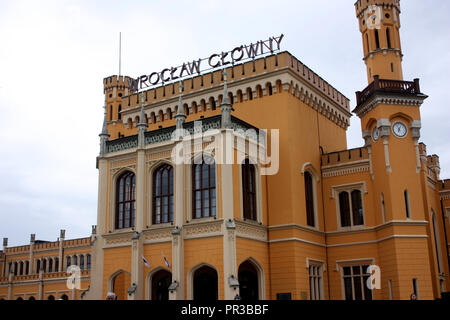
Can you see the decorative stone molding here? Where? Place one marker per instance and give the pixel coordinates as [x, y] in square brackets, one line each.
[415, 129]
[346, 187]
[118, 239]
[377, 99]
[158, 235]
[251, 230]
[345, 168]
[203, 229]
[444, 195]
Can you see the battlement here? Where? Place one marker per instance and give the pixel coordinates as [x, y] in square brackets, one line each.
[48, 245]
[283, 60]
[422, 149]
[433, 161]
[340, 157]
[445, 184]
[119, 82]
[361, 5]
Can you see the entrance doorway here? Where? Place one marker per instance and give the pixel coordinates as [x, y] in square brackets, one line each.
[248, 281]
[161, 281]
[205, 284]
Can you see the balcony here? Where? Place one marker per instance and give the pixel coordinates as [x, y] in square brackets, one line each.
[387, 86]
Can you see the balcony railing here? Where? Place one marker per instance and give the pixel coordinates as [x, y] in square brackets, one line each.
[387, 86]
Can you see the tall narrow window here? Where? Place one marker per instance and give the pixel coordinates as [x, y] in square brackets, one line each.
[315, 282]
[82, 262]
[119, 115]
[125, 200]
[367, 43]
[110, 113]
[383, 208]
[392, 67]
[38, 265]
[415, 287]
[88, 262]
[44, 265]
[249, 190]
[377, 39]
[204, 189]
[388, 37]
[50, 265]
[163, 194]
[406, 196]
[309, 199]
[75, 260]
[437, 242]
[357, 210]
[355, 279]
[68, 262]
[56, 264]
[27, 267]
[344, 208]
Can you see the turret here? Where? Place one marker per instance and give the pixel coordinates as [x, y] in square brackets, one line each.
[379, 23]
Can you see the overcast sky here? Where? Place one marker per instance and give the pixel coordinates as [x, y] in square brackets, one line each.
[55, 54]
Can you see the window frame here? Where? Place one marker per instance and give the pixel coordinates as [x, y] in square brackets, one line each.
[349, 188]
[248, 167]
[117, 202]
[202, 189]
[161, 167]
[362, 276]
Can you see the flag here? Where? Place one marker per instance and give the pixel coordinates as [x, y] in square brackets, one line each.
[165, 260]
[146, 262]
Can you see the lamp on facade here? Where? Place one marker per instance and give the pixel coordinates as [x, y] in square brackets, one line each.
[233, 282]
[173, 286]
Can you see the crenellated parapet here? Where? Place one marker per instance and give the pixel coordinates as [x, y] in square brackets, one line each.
[362, 5]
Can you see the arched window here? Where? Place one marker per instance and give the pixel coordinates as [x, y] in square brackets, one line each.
[27, 267]
[82, 262]
[249, 94]
[388, 37]
[88, 262]
[75, 260]
[163, 194]
[269, 88]
[125, 200]
[204, 189]
[309, 199]
[119, 115]
[212, 103]
[56, 264]
[68, 262]
[50, 265]
[249, 190]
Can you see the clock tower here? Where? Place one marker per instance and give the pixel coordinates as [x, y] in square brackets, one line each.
[389, 109]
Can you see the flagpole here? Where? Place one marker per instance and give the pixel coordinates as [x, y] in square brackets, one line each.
[120, 52]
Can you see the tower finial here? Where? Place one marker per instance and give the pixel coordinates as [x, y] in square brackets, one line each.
[104, 135]
[225, 106]
[142, 125]
[180, 117]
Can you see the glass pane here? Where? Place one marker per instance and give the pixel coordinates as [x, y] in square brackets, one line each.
[165, 182]
[344, 209]
[205, 176]
[121, 190]
[171, 180]
[347, 271]
[356, 270]
[212, 177]
[358, 288]
[367, 291]
[348, 288]
[165, 209]
[158, 183]
[133, 188]
[357, 208]
[197, 176]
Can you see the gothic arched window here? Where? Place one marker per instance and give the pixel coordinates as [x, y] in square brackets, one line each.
[204, 189]
[249, 190]
[125, 200]
[163, 194]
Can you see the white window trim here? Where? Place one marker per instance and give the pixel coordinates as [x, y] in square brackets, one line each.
[149, 211]
[335, 190]
[321, 264]
[112, 205]
[351, 263]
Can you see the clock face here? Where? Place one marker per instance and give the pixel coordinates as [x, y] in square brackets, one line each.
[375, 133]
[399, 129]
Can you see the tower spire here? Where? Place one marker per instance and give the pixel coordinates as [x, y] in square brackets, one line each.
[104, 135]
[180, 117]
[142, 125]
[225, 106]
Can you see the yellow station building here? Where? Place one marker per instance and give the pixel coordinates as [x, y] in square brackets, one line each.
[308, 231]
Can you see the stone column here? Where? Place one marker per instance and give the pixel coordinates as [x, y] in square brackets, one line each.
[32, 238]
[177, 286]
[137, 268]
[96, 286]
[62, 234]
[229, 240]
[41, 284]
[384, 127]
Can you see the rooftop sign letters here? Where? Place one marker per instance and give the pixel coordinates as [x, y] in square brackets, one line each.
[216, 60]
